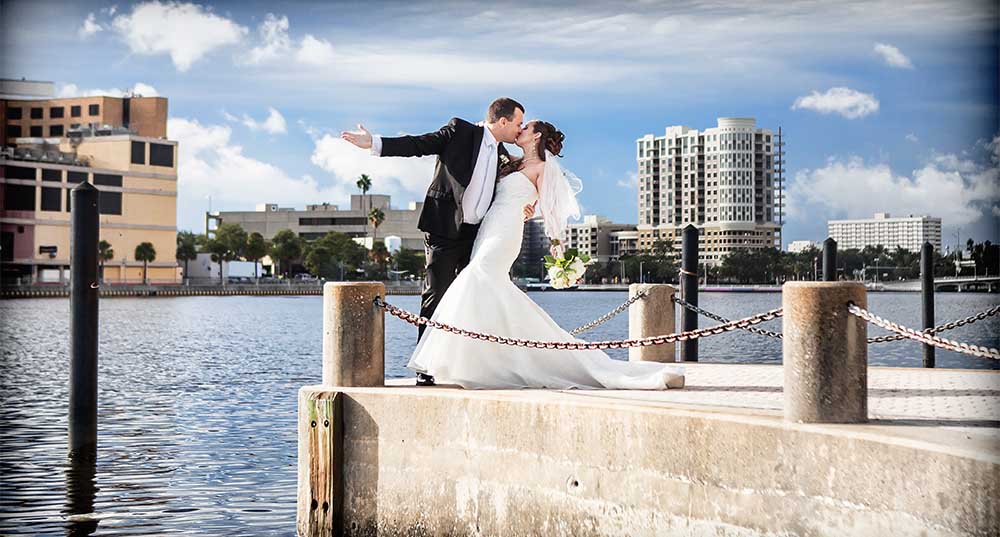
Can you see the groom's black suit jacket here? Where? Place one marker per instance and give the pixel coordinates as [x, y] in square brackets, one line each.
[457, 147]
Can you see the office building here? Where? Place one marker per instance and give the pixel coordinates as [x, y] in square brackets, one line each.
[592, 236]
[797, 247]
[726, 180]
[319, 219]
[908, 232]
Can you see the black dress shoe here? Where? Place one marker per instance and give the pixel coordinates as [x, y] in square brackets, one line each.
[424, 380]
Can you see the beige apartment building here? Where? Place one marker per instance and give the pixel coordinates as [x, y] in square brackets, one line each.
[592, 236]
[726, 180]
[134, 168]
[56, 118]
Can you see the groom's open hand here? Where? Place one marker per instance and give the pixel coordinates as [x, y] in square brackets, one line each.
[361, 138]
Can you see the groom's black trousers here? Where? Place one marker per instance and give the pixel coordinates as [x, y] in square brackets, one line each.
[445, 258]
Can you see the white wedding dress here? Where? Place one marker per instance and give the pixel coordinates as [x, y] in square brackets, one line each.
[484, 299]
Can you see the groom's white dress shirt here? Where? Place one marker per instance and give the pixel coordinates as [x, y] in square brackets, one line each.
[479, 193]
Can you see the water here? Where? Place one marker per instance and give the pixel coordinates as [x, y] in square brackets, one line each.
[197, 403]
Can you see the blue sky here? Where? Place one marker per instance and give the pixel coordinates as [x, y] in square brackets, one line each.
[886, 105]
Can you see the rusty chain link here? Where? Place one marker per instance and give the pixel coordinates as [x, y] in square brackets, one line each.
[607, 316]
[580, 345]
[942, 328]
[923, 337]
[685, 304]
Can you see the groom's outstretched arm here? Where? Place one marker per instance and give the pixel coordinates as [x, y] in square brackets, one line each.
[432, 143]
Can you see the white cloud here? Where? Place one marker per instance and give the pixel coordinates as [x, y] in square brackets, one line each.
[996, 210]
[912, 138]
[274, 38]
[631, 182]
[314, 51]
[209, 164]
[892, 56]
[90, 26]
[847, 102]
[185, 31]
[956, 190]
[404, 178]
[72, 90]
[274, 123]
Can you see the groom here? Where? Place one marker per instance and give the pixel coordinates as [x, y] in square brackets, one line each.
[462, 188]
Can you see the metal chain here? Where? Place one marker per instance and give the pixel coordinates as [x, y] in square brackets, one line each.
[942, 328]
[607, 316]
[964, 348]
[721, 319]
[580, 345]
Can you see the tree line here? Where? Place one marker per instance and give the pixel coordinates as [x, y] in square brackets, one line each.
[661, 264]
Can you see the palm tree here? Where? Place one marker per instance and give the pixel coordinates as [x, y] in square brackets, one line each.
[187, 249]
[256, 248]
[146, 253]
[376, 217]
[104, 253]
[364, 184]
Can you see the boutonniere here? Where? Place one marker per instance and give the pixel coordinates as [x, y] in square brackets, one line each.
[504, 160]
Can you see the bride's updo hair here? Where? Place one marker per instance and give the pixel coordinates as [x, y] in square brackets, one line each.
[551, 139]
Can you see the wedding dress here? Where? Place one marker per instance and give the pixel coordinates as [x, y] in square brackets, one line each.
[484, 299]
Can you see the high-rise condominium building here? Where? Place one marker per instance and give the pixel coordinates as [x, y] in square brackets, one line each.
[908, 232]
[727, 181]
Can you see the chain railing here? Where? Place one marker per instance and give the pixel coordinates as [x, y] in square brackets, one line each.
[685, 304]
[580, 345]
[607, 316]
[923, 337]
[941, 328]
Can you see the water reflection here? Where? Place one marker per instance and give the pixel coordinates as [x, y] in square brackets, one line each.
[81, 490]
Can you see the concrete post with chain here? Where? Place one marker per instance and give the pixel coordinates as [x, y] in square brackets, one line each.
[825, 353]
[652, 315]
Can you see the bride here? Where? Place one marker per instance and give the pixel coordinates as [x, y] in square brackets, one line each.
[484, 299]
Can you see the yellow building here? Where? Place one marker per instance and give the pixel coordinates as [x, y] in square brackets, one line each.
[137, 179]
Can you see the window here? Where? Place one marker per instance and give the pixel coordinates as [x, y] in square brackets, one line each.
[76, 177]
[68, 190]
[51, 175]
[74, 111]
[18, 197]
[19, 172]
[13, 131]
[55, 130]
[36, 113]
[161, 155]
[138, 152]
[57, 112]
[51, 199]
[36, 131]
[107, 179]
[109, 202]
[94, 109]
[14, 112]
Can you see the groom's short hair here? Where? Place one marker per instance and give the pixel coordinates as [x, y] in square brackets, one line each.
[502, 107]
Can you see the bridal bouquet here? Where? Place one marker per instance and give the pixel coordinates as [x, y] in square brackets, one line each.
[567, 269]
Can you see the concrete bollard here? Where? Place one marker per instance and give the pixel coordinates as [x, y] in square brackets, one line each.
[825, 353]
[651, 316]
[353, 334]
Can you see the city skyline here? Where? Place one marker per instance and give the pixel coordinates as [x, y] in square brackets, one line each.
[891, 108]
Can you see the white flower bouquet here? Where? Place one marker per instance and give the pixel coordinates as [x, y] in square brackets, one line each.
[566, 270]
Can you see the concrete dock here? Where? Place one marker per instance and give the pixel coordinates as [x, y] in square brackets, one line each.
[714, 458]
[823, 445]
